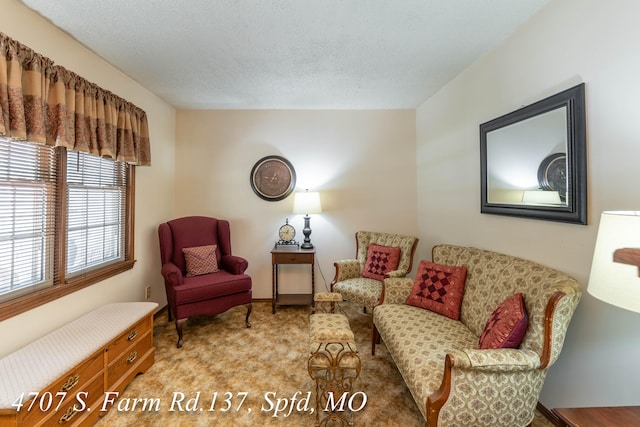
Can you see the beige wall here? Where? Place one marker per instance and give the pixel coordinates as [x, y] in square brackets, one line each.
[569, 42]
[364, 163]
[154, 185]
[361, 162]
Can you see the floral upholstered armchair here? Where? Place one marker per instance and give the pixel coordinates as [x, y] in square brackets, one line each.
[378, 256]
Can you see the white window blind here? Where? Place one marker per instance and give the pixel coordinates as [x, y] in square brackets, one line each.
[96, 212]
[27, 220]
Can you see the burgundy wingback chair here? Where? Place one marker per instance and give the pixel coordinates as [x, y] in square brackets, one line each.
[207, 294]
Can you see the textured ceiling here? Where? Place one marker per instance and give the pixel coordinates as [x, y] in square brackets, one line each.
[298, 54]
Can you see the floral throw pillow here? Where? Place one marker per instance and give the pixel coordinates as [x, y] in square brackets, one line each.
[200, 260]
[506, 325]
[380, 260]
[439, 288]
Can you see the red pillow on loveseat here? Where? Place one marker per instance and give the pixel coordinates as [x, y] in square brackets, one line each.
[507, 324]
[439, 288]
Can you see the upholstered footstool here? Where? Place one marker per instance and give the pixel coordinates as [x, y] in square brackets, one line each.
[325, 301]
[333, 364]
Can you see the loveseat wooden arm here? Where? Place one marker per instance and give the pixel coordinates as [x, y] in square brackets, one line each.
[484, 374]
[495, 360]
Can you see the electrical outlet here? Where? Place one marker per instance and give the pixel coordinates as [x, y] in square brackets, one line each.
[147, 292]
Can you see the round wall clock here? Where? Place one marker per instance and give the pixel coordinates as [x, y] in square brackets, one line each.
[273, 178]
[552, 174]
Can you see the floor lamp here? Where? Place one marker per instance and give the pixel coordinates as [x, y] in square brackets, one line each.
[615, 270]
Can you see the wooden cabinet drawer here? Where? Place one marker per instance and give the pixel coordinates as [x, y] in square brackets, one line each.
[293, 258]
[64, 390]
[128, 338]
[84, 402]
[128, 359]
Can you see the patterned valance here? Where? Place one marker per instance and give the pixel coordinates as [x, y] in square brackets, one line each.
[45, 103]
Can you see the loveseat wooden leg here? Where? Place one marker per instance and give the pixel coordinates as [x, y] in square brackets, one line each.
[375, 339]
[179, 324]
[249, 309]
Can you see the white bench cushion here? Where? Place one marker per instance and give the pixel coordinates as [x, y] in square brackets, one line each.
[40, 363]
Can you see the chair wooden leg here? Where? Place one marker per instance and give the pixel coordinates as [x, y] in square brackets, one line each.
[249, 308]
[375, 339]
[179, 324]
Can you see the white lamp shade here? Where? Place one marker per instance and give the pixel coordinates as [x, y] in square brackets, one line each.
[614, 282]
[307, 203]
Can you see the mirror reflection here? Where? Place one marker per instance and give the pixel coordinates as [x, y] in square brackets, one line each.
[527, 162]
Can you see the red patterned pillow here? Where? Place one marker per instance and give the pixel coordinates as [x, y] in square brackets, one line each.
[506, 325]
[439, 288]
[380, 260]
[200, 260]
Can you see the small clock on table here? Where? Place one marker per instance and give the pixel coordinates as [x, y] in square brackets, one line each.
[287, 233]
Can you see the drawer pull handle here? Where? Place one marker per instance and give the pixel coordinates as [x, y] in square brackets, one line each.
[293, 258]
[132, 357]
[132, 335]
[71, 412]
[71, 383]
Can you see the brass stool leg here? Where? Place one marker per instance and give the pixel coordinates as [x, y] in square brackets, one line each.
[334, 365]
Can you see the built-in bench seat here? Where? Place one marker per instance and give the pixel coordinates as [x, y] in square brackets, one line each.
[98, 352]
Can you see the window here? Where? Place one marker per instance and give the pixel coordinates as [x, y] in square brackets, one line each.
[96, 215]
[27, 203]
[65, 222]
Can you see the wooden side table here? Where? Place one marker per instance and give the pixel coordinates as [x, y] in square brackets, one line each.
[599, 417]
[291, 255]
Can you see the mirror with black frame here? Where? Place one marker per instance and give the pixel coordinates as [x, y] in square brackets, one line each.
[533, 161]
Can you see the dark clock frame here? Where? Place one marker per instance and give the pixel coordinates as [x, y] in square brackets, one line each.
[548, 171]
[282, 189]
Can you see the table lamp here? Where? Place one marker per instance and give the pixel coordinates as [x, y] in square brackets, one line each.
[307, 202]
[615, 269]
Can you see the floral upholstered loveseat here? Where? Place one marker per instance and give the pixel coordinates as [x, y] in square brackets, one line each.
[452, 381]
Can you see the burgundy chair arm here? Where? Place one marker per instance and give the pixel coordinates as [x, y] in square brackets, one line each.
[234, 264]
[172, 274]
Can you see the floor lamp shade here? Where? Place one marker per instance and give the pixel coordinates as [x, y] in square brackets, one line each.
[615, 269]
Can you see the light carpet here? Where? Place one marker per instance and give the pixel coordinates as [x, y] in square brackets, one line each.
[229, 375]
